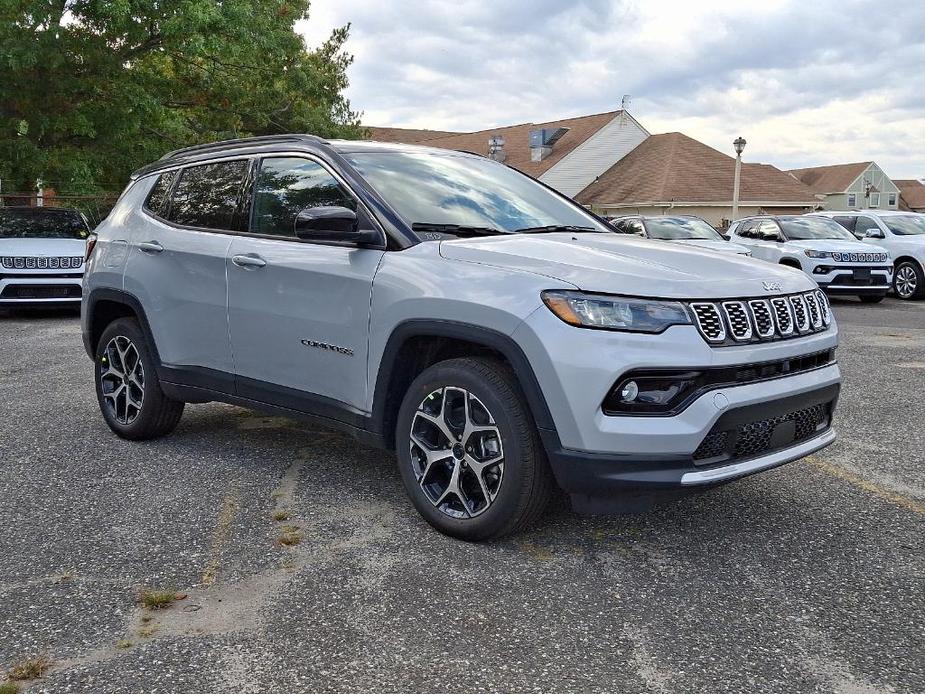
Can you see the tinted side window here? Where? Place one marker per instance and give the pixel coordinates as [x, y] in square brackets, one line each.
[206, 196]
[747, 229]
[768, 230]
[158, 200]
[847, 222]
[864, 223]
[635, 227]
[285, 187]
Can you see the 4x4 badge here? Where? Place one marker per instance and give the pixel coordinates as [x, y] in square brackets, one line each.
[771, 286]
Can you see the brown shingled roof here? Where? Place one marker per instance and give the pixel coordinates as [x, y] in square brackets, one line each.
[911, 193]
[517, 139]
[830, 179]
[673, 167]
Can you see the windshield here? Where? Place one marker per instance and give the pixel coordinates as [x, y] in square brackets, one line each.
[680, 229]
[38, 223]
[905, 224]
[432, 188]
[809, 228]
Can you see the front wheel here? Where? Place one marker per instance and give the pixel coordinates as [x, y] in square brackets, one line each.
[468, 450]
[127, 387]
[908, 280]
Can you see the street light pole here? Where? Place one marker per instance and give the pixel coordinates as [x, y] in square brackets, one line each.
[739, 144]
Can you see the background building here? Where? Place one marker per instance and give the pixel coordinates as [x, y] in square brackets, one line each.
[858, 186]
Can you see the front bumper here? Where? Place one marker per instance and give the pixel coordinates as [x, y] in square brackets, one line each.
[39, 290]
[594, 455]
[854, 279]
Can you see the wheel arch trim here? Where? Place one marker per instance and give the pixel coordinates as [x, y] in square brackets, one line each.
[465, 332]
[117, 296]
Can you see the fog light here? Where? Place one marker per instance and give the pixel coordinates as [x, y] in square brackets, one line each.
[629, 392]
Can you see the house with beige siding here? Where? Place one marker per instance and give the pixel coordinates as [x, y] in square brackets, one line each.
[859, 186]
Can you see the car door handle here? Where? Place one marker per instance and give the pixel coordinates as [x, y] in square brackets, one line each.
[150, 247]
[248, 261]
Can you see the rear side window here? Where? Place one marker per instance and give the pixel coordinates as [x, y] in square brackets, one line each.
[287, 185]
[747, 229]
[158, 200]
[207, 196]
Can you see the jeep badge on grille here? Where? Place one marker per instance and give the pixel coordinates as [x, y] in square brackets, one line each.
[771, 286]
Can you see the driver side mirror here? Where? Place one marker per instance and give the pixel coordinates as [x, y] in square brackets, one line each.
[874, 234]
[332, 224]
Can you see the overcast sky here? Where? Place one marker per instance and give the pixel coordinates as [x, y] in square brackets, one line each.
[806, 83]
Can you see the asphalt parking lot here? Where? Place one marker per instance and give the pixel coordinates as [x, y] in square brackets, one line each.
[808, 578]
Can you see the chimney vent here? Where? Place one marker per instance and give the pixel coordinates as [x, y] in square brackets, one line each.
[496, 148]
[542, 141]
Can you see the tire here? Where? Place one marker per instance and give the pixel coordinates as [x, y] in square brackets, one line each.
[909, 280]
[134, 406]
[506, 454]
[872, 299]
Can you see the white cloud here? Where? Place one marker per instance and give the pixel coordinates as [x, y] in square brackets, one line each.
[805, 82]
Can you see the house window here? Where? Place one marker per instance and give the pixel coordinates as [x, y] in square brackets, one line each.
[891, 200]
[852, 199]
[875, 199]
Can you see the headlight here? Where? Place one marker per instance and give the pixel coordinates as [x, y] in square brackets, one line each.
[615, 312]
[818, 254]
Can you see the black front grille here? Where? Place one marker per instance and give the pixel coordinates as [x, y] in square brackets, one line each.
[32, 291]
[737, 436]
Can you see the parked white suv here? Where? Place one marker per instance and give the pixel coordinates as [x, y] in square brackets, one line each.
[684, 229]
[41, 256]
[902, 234]
[823, 249]
[493, 333]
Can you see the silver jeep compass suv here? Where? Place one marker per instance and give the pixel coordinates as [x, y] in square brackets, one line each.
[494, 334]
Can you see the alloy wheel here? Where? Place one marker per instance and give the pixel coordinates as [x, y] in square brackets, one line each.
[122, 379]
[906, 281]
[457, 454]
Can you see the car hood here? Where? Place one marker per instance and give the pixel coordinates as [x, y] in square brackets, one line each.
[836, 245]
[627, 265]
[720, 246]
[39, 247]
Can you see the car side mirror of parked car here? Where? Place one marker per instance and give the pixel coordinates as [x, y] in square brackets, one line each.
[874, 234]
[332, 224]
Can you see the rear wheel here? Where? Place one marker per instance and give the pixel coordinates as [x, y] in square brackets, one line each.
[127, 388]
[908, 280]
[871, 298]
[468, 450]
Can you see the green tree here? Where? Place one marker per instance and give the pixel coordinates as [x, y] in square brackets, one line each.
[92, 89]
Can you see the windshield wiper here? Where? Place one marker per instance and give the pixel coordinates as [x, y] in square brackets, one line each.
[457, 229]
[554, 227]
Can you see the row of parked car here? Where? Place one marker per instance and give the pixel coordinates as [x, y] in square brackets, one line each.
[858, 253]
[861, 253]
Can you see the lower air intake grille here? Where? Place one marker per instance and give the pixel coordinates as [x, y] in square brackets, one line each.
[729, 443]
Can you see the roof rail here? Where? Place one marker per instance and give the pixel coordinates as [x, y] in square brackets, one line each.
[239, 142]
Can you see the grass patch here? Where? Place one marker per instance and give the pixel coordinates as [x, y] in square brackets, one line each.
[9, 688]
[30, 669]
[123, 644]
[280, 516]
[158, 599]
[291, 535]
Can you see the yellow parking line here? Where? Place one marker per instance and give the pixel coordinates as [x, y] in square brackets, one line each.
[868, 486]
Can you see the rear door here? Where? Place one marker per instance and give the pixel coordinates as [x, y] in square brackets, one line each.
[176, 268]
[299, 310]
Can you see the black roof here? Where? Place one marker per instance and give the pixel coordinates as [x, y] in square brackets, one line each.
[270, 143]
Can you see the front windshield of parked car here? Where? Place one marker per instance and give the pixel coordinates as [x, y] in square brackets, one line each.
[462, 190]
[41, 224]
[680, 229]
[905, 224]
[812, 228]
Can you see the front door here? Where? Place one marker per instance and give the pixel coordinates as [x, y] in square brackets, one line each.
[298, 311]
